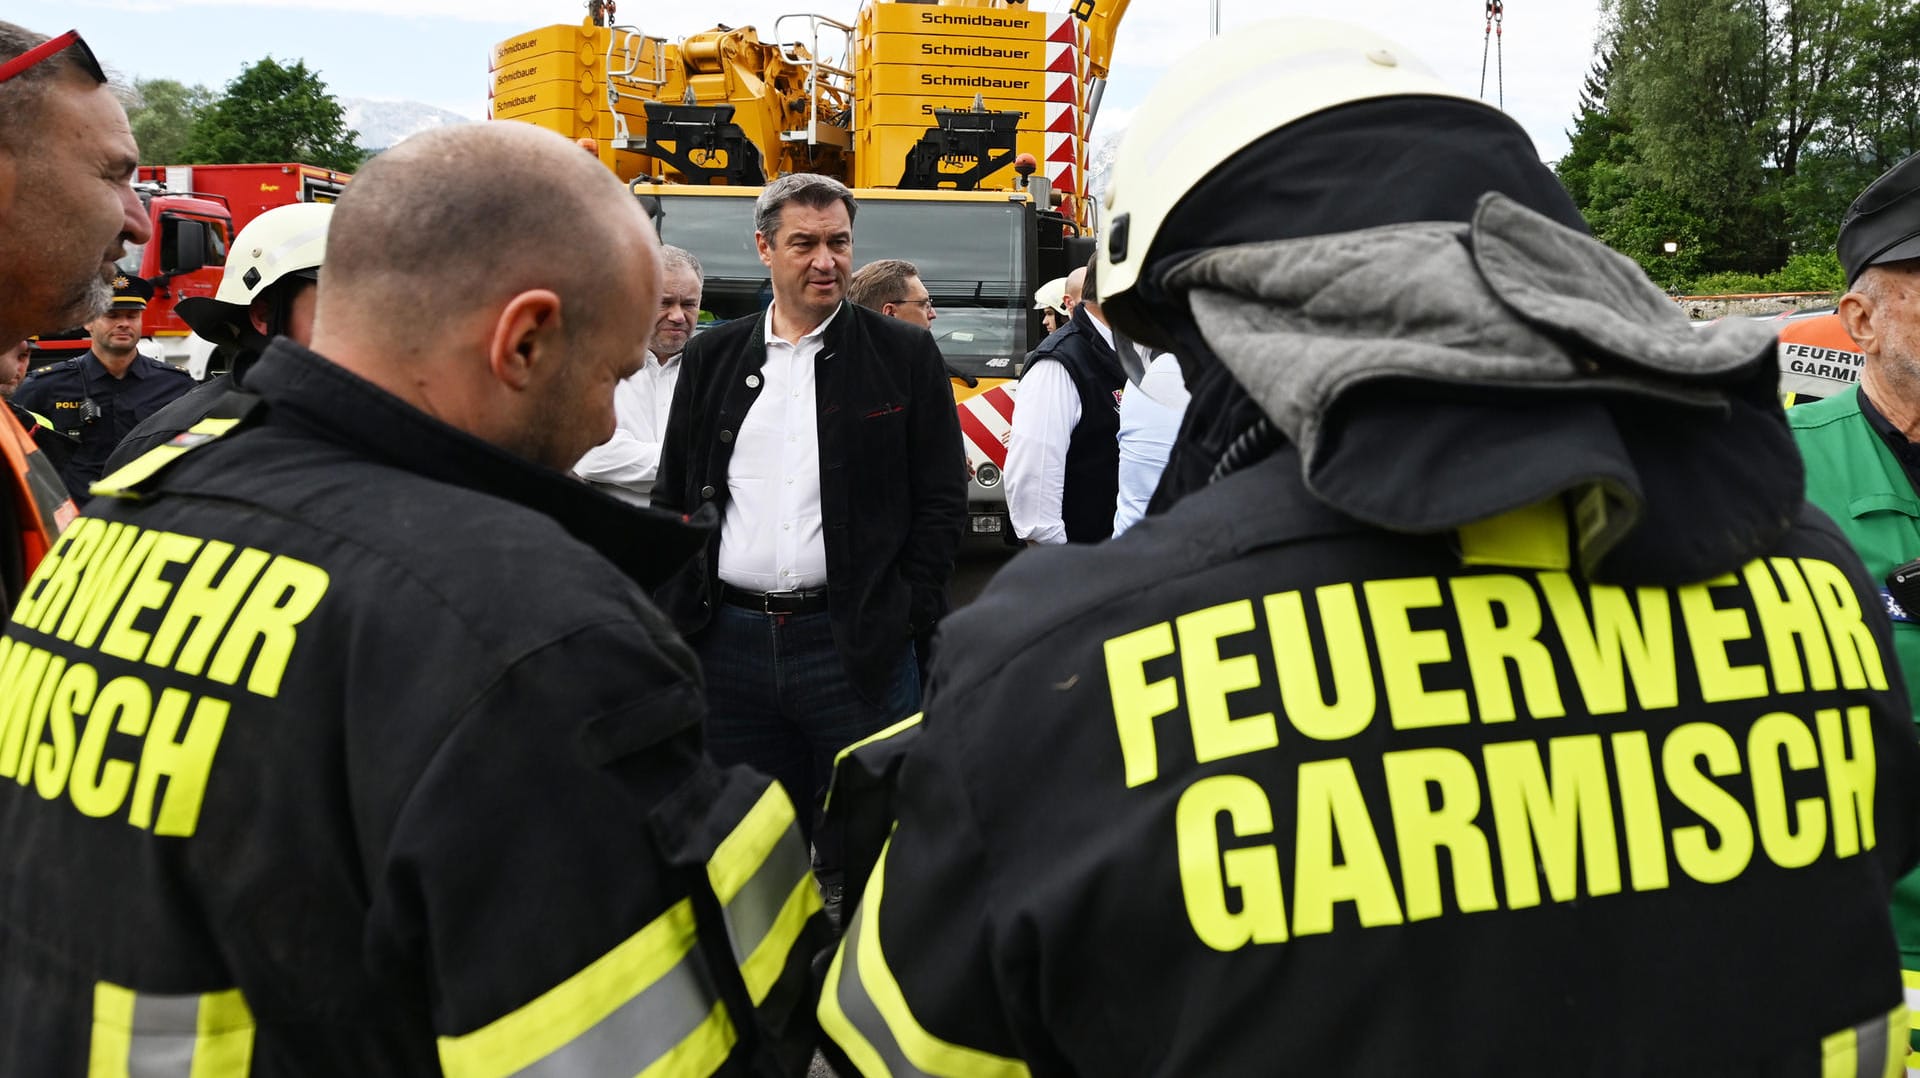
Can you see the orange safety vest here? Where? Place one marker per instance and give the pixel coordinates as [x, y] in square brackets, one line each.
[39, 500]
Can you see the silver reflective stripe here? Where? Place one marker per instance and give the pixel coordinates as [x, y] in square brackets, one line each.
[164, 1030]
[642, 1030]
[859, 1006]
[1876, 1048]
[751, 914]
[1870, 1042]
[148, 1035]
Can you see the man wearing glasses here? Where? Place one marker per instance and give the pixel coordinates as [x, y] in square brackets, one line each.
[892, 286]
[67, 212]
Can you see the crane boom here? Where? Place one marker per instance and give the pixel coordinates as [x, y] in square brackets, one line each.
[1102, 19]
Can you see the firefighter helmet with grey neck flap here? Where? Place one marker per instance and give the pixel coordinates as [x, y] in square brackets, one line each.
[1217, 102]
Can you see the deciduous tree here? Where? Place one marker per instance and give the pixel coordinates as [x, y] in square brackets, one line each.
[1741, 129]
[162, 114]
[274, 112]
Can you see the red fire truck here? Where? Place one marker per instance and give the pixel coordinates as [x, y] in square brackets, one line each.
[195, 211]
[245, 192]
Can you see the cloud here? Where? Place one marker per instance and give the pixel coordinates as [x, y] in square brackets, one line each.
[376, 47]
[510, 12]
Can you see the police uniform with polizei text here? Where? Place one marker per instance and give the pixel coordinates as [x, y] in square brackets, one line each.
[322, 761]
[1483, 697]
[88, 405]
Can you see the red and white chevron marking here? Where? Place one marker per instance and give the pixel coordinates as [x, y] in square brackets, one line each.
[1065, 79]
[986, 425]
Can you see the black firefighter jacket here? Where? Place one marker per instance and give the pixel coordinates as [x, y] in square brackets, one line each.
[893, 479]
[348, 744]
[1608, 771]
[1309, 797]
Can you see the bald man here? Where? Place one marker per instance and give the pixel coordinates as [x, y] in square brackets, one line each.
[366, 751]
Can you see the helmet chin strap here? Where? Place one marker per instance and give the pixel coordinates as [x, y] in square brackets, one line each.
[1135, 358]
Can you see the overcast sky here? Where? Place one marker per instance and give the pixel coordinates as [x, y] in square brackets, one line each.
[436, 50]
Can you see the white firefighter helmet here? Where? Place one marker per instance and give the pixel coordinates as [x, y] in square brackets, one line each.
[1052, 296]
[284, 240]
[1220, 99]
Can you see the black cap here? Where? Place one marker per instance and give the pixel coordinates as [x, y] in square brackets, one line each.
[1883, 224]
[130, 293]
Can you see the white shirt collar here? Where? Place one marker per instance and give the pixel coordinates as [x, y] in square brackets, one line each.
[768, 336]
[1106, 331]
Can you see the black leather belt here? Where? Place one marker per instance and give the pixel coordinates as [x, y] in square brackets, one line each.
[810, 601]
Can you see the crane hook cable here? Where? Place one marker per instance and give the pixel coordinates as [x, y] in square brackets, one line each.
[1494, 40]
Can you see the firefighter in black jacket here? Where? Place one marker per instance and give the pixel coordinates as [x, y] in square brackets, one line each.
[266, 291]
[343, 738]
[1485, 699]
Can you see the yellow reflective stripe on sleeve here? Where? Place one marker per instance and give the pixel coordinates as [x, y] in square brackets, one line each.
[142, 467]
[1837, 1055]
[764, 880]
[701, 1053]
[905, 724]
[1873, 1049]
[742, 852]
[643, 1001]
[223, 1044]
[169, 1036]
[863, 1009]
[840, 1029]
[1531, 537]
[1894, 1037]
[1910, 985]
[112, 1042]
[763, 967]
[900, 727]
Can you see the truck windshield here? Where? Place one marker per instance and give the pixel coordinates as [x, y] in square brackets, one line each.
[971, 257]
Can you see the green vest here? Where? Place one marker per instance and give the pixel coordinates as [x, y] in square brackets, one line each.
[1854, 478]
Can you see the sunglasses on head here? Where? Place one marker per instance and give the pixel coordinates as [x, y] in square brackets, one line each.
[49, 48]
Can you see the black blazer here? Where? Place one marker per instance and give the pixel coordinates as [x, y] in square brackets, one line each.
[893, 479]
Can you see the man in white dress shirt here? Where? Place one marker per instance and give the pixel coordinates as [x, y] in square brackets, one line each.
[625, 465]
[824, 436]
[1063, 460]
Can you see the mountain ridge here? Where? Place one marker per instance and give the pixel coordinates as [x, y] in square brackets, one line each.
[382, 124]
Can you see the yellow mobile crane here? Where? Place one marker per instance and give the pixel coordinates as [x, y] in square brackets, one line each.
[961, 126]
